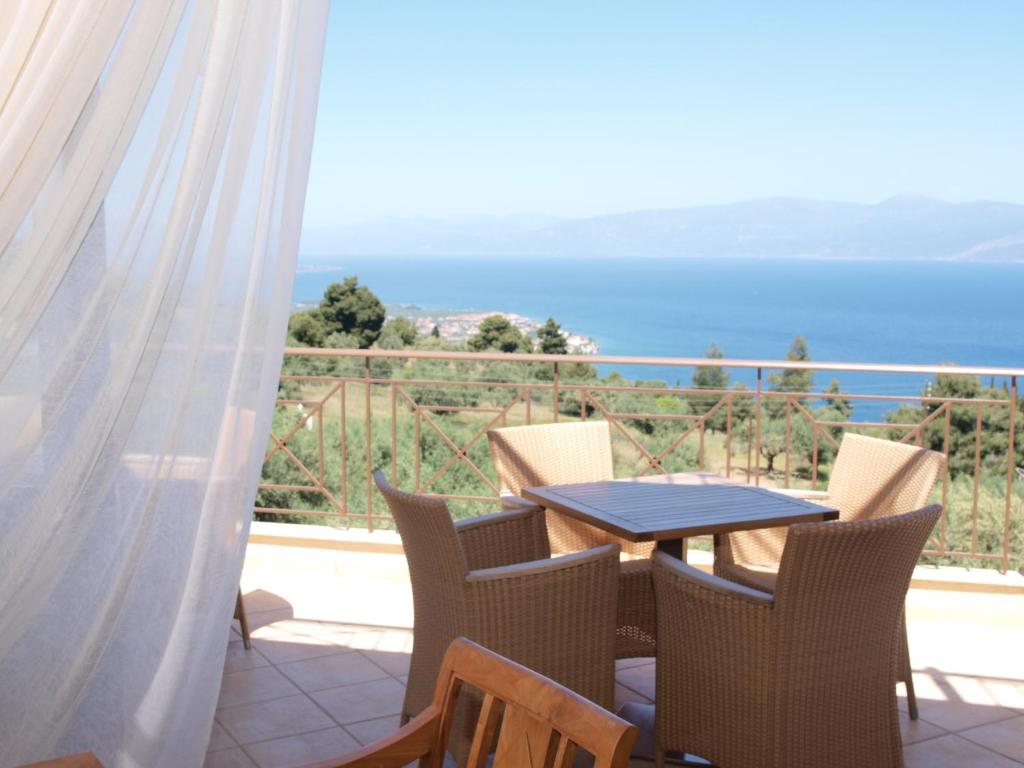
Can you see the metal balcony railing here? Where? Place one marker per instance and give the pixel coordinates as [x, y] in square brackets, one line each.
[423, 416]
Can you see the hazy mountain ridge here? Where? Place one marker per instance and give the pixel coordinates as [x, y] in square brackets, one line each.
[902, 227]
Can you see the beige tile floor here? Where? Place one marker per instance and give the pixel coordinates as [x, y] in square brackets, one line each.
[332, 641]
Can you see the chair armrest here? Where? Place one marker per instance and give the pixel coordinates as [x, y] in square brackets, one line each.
[555, 616]
[800, 493]
[503, 538]
[419, 737]
[510, 501]
[542, 567]
[724, 587]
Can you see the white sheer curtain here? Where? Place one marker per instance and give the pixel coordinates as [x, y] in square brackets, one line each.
[153, 164]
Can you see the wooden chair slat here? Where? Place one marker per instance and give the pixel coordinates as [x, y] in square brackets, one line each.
[541, 722]
[483, 737]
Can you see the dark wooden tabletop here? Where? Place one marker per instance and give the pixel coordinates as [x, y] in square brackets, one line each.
[675, 507]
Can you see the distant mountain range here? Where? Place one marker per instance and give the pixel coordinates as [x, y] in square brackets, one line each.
[904, 227]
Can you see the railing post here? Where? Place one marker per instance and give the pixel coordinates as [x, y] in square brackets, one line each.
[416, 427]
[320, 441]
[814, 457]
[975, 492]
[700, 449]
[369, 446]
[1011, 466]
[757, 428]
[343, 439]
[728, 436]
[944, 520]
[554, 393]
[789, 412]
[394, 434]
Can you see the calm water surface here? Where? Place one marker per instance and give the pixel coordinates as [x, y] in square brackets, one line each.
[872, 312]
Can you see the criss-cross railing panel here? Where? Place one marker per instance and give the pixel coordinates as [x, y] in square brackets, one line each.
[365, 409]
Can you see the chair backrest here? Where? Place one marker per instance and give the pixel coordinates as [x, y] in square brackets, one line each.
[551, 454]
[830, 568]
[870, 478]
[437, 563]
[873, 477]
[533, 720]
[838, 601]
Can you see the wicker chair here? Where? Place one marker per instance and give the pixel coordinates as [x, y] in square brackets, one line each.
[871, 478]
[534, 720]
[492, 579]
[801, 679]
[578, 452]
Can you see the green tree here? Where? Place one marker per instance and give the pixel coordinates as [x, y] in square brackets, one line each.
[435, 332]
[353, 309]
[402, 327]
[307, 329]
[840, 405]
[497, 333]
[994, 437]
[552, 342]
[390, 338]
[794, 379]
[711, 377]
[773, 418]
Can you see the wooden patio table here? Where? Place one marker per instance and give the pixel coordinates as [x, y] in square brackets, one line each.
[670, 508]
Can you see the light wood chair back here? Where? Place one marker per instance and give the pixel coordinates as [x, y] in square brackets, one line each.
[533, 721]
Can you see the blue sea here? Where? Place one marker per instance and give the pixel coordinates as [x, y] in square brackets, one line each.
[863, 312]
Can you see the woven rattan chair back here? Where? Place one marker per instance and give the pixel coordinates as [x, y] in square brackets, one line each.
[527, 719]
[803, 679]
[556, 454]
[437, 569]
[870, 478]
[873, 477]
[551, 454]
[839, 599]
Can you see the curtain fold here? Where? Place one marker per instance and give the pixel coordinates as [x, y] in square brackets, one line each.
[153, 164]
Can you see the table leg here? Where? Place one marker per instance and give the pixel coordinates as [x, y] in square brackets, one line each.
[642, 716]
[673, 548]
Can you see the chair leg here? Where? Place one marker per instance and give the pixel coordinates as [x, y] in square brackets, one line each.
[911, 698]
[906, 672]
[243, 620]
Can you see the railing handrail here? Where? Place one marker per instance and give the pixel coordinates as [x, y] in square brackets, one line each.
[681, 362]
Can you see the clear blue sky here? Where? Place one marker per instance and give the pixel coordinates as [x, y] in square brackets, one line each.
[444, 109]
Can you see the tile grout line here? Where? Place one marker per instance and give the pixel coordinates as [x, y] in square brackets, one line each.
[1014, 716]
[328, 714]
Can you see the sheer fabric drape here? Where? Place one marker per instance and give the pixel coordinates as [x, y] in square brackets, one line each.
[153, 164]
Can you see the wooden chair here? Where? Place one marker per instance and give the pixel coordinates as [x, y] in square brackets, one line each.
[536, 721]
[578, 452]
[81, 760]
[799, 679]
[871, 478]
